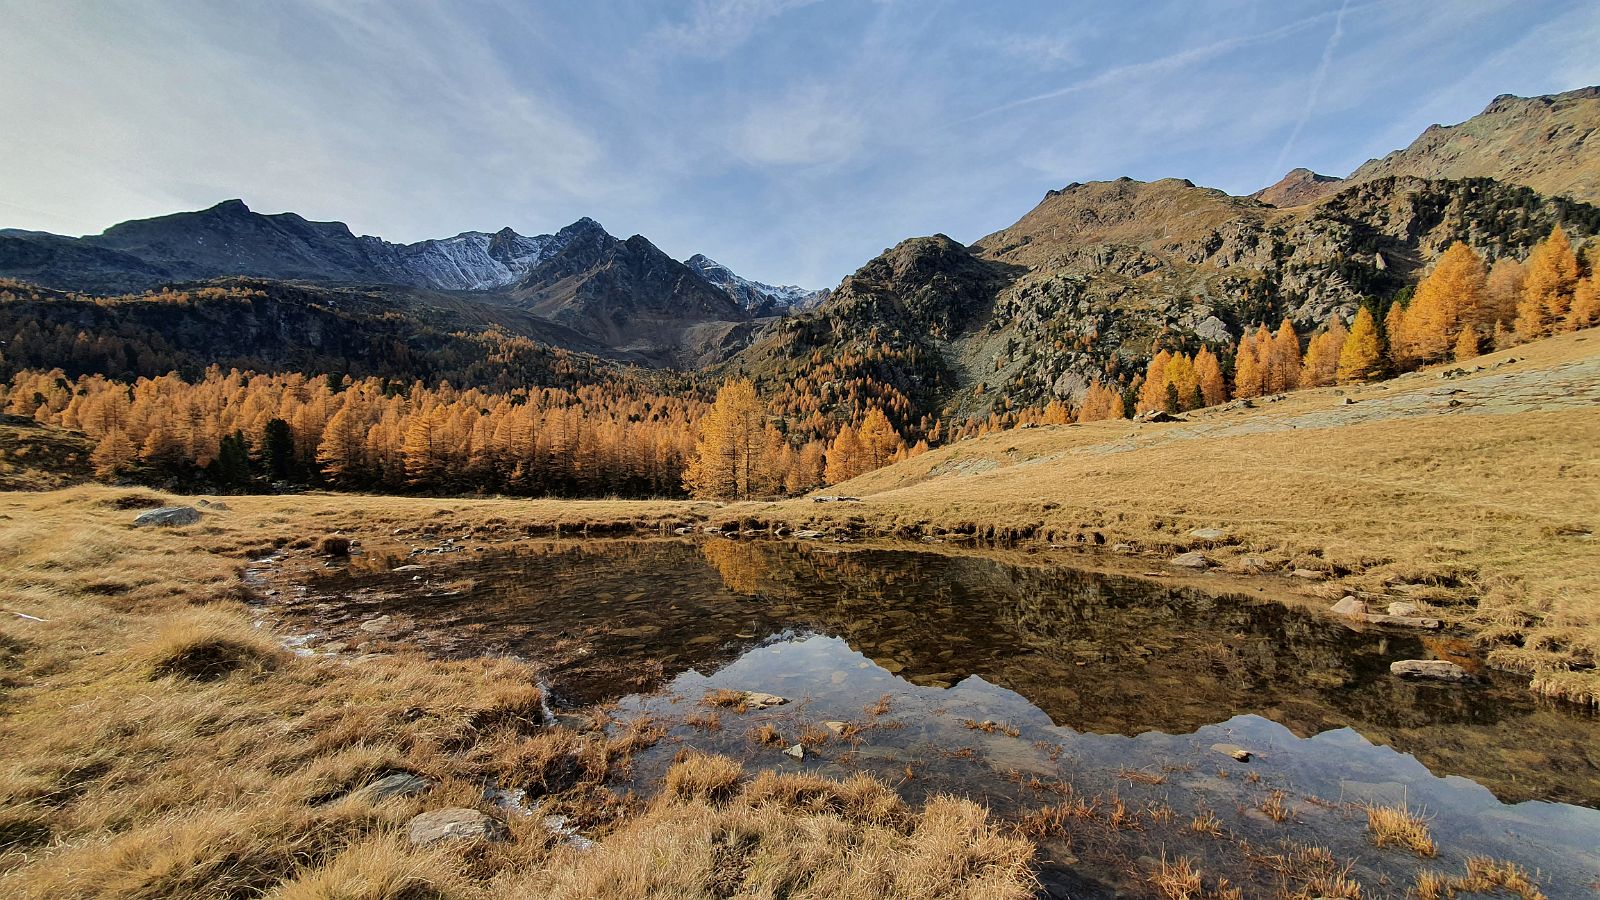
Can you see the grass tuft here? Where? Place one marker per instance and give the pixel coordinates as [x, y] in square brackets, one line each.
[1396, 826]
[206, 645]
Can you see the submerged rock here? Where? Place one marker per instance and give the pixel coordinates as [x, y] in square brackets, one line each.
[1432, 670]
[168, 516]
[454, 824]
[1234, 750]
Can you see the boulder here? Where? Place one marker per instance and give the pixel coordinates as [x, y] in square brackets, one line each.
[168, 516]
[1432, 670]
[1350, 606]
[454, 824]
[1191, 560]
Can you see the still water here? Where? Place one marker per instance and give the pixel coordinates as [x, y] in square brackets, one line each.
[1022, 685]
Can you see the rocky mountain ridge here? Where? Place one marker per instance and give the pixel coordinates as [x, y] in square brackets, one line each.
[1547, 143]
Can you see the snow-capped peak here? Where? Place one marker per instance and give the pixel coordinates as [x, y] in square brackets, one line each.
[755, 297]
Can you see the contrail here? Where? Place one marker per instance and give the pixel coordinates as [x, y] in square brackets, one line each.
[1311, 98]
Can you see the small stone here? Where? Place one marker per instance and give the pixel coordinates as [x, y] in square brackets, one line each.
[798, 751]
[1350, 606]
[1209, 534]
[836, 727]
[1121, 548]
[1309, 574]
[1349, 401]
[1255, 565]
[381, 623]
[454, 824]
[168, 516]
[1431, 669]
[1194, 559]
[1402, 608]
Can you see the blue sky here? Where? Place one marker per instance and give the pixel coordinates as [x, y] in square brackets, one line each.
[790, 139]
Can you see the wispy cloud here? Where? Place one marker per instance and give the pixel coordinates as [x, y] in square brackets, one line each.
[1171, 62]
[716, 28]
[1317, 81]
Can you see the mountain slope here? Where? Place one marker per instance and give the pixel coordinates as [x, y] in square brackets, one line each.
[631, 296]
[1548, 143]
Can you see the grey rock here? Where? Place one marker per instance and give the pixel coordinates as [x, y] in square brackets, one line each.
[1403, 608]
[454, 824]
[1191, 560]
[400, 784]
[798, 751]
[1209, 534]
[1432, 670]
[168, 516]
[1255, 565]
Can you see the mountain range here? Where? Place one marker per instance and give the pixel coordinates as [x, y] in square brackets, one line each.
[1077, 289]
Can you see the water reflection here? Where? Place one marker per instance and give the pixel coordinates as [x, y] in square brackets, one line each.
[1090, 653]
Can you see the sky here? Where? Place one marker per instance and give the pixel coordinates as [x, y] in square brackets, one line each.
[791, 140]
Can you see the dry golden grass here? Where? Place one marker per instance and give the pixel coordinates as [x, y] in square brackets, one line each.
[160, 745]
[1178, 880]
[1395, 826]
[700, 776]
[1484, 877]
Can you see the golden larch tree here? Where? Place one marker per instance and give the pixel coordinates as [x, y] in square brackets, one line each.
[1284, 369]
[1320, 367]
[1547, 287]
[726, 460]
[1452, 293]
[1208, 371]
[1361, 359]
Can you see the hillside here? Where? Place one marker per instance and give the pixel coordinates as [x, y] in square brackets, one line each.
[1083, 286]
[1488, 491]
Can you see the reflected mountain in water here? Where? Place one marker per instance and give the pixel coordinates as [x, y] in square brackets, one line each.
[1095, 653]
